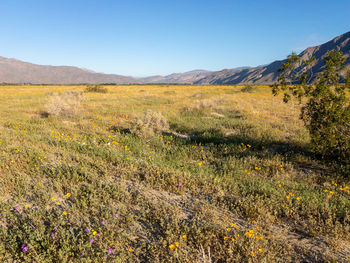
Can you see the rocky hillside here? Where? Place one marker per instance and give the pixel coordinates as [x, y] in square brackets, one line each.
[268, 74]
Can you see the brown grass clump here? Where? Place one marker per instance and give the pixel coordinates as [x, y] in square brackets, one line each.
[96, 89]
[64, 104]
[207, 103]
[248, 88]
[151, 123]
[196, 95]
[213, 104]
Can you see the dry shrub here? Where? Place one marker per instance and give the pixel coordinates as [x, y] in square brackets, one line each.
[196, 95]
[214, 104]
[151, 123]
[248, 88]
[207, 103]
[96, 89]
[170, 92]
[64, 104]
[203, 256]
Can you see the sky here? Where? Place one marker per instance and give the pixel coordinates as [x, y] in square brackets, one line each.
[158, 37]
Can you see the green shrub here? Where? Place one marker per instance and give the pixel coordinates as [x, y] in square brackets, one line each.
[326, 112]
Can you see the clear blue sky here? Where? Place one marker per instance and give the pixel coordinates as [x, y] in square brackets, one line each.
[148, 37]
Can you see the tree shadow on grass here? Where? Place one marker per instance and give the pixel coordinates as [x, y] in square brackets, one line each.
[226, 146]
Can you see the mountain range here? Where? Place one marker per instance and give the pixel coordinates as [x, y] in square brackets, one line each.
[13, 71]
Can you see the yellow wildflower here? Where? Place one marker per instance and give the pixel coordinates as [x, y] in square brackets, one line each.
[249, 234]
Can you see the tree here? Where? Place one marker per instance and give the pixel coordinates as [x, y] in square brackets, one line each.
[325, 105]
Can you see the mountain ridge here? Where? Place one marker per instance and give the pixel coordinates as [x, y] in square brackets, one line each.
[14, 71]
[268, 74]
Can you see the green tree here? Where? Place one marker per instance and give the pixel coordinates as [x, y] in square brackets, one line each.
[326, 107]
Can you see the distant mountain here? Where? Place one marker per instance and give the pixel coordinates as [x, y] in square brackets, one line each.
[178, 78]
[268, 74]
[16, 71]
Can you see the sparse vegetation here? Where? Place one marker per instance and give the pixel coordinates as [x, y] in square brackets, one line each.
[237, 183]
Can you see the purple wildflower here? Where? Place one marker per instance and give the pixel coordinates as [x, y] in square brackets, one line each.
[92, 240]
[16, 208]
[24, 248]
[86, 230]
[103, 223]
[116, 215]
[179, 184]
[52, 235]
[110, 251]
[55, 228]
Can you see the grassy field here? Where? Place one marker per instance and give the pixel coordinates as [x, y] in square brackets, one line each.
[164, 174]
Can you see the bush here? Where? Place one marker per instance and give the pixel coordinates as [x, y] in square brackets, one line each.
[248, 88]
[64, 104]
[152, 123]
[207, 104]
[326, 112]
[96, 89]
